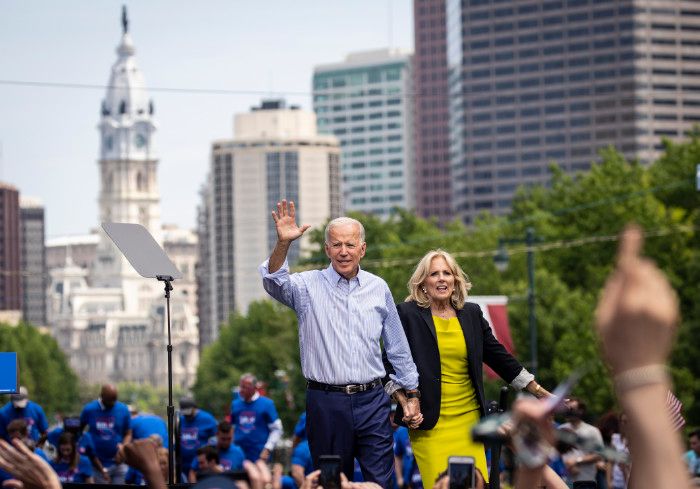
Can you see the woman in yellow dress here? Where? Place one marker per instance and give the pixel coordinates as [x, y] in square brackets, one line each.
[450, 341]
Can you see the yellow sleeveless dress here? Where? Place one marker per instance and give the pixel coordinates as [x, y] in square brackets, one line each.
[459, 410]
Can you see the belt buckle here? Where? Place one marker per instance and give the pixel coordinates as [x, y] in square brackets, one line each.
[353, 389]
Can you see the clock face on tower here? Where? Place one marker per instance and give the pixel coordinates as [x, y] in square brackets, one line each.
[140, 140]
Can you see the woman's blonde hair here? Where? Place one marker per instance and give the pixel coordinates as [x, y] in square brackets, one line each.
[462, 283]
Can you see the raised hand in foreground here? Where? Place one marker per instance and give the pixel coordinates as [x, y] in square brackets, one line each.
[28, 468]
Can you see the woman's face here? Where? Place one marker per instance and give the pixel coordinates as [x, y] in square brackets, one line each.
[440, 281]
[66, 450]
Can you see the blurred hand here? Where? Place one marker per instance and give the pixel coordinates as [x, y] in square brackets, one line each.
[637, 312]
[258, 474]
[142, 455]
[27, 467]
[311, 480]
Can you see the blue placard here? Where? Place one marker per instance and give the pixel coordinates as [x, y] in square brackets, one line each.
[9, 372]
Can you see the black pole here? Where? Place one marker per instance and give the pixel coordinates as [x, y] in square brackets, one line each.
[171, 409]
[530, 241]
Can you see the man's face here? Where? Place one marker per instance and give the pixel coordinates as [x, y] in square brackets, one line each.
[109, 400]
[247, 389]
[695, 444]
[345, 249]
[203, 462]
[224, 439]
[573, 413]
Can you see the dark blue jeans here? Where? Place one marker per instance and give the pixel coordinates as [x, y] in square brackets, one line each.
[352, 426]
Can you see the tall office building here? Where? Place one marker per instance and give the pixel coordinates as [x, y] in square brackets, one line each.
[275, 154]
[365, 101]
[10, 254]
[33, 261]
[207, 329]
[431, 133]
[536, 82]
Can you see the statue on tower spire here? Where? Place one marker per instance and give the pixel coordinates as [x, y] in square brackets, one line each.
[125, 20]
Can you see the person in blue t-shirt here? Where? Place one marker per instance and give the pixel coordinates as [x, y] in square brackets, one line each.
[18, 429]
[20, 407]
[302, 465]
[72, 425]
[405, 461]
[109, 426]
[230, 455]
[146, 424]
[299, 430]
[196, 428]
[258, 426]
[69, 464]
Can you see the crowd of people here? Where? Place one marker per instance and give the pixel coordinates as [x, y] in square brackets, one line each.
[359, 351]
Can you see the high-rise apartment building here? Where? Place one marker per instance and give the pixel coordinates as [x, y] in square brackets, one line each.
[10, 254]
[33, 261]
[431, 129]
[366, 102]
[533, 82]
[276, 154]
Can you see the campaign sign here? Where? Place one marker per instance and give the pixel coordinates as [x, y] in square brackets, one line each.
[9, 372]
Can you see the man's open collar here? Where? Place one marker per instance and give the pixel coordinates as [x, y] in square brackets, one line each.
[332, 276]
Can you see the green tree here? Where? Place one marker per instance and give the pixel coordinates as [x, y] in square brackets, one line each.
[43, 368]
[263, 342]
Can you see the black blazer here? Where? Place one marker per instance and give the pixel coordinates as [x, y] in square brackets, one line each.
[482, 347]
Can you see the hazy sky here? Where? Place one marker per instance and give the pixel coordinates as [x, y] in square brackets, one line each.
[49, 138]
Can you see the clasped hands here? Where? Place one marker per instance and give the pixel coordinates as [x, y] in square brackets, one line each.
[412, 415]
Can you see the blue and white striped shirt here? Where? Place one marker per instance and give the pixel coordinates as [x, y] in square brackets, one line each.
[340, 324]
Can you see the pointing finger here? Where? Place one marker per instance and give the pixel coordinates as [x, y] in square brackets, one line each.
[631, 241]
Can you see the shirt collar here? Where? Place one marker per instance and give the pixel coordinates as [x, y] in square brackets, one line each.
[333, 277]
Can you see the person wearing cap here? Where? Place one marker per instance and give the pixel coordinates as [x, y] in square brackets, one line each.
[20, 407]
[197, 426]
[109, 426]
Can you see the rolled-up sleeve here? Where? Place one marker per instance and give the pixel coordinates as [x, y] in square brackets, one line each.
[283, 287]
[396, 346]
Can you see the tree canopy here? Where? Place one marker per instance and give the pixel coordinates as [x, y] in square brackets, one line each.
[43, 368]
[576, 220]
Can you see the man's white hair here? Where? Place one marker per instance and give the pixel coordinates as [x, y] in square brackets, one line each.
[344, 221]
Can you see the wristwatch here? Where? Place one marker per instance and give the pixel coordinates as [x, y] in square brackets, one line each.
[413, 394]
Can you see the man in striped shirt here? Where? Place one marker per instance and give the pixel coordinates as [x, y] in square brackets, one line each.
[343, 314]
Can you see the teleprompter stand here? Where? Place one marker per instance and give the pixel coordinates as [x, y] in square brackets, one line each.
[149, 260]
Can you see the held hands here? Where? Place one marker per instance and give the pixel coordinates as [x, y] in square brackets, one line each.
[637, 313]
[285, 222]
[412, 415]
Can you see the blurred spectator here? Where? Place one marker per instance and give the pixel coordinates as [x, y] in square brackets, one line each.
[406, 468]
[69, 464]
[144, 425]
[299, 430]
[207, 462]
[20, 407]
[580, 465]
[196, 428]
[692, 456]
[109, 426]
[230, 456]
[258, 426]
